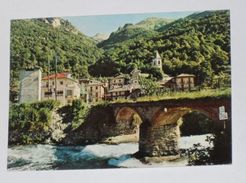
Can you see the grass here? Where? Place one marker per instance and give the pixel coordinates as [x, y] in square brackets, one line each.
[208, 93]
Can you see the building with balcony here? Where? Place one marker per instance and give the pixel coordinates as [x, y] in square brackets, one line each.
[61, 87]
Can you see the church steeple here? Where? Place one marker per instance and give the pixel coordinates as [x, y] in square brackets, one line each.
[157, 62]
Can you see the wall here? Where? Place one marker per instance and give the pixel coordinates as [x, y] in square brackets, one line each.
[30, 86]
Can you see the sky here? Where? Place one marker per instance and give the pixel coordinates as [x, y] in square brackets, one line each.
[91, 25]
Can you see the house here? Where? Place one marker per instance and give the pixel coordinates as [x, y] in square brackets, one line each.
[167, 82]
[182, 82]
[92, 90]
[95, 90]
[84, 96]
[61, 87]
[128, 87]
[185, 82]
[118, 92]
[118, 80]
[30, 85]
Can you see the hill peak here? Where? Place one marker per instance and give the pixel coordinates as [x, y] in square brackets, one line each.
[99, 37]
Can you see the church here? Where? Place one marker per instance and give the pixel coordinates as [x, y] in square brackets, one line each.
[181, 82]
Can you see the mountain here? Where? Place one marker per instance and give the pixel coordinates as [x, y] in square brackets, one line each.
[125, 33]
[145, 28]
[198, 44]
[153, 23]
[57, 22]
[99, 37]
[35, 41]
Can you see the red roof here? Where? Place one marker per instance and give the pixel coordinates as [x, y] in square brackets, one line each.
[58, 76]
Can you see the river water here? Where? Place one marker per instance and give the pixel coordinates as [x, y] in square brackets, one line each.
[49, 157]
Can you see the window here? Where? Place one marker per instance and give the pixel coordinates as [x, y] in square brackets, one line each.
[61, 82]
[47, 94]
[69, 92]
[91, 88]
[96, 87]
[47, 84]
[96, 94]
[59, 93]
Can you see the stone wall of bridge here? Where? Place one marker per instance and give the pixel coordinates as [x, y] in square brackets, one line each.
[101, 124]
[159, 140]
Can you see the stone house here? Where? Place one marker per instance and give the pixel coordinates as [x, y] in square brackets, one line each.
[182, 82]
[185, 82]
[61, 87]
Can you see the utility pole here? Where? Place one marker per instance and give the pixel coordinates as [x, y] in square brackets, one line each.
[49, 79]
[56, 77]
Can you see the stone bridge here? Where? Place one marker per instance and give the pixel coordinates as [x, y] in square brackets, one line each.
[159, 129]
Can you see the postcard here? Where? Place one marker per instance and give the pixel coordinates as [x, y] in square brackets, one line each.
[120, 91]
[99, 91]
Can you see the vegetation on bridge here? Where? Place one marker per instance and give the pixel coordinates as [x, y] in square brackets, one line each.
[202, 94]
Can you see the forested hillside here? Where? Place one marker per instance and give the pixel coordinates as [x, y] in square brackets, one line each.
[146, 28]
[198, 44]
[34, 42]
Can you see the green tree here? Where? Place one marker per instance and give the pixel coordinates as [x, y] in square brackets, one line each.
[148, 86]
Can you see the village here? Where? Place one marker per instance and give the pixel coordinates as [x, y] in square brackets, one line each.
[64, 88]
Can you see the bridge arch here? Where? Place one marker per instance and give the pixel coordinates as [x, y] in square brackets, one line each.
[170, 116]
[160, 137]
[128, 114]
[128, 121]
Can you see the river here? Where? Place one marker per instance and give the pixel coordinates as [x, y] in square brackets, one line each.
[49, 157]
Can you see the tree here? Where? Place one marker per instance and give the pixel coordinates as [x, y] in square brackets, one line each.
[79, 111]
[155, 72]
[148, 86]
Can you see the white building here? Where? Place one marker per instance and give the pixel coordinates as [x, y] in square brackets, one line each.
[30, 85]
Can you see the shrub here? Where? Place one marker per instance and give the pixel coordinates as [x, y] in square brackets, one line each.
[29, 123]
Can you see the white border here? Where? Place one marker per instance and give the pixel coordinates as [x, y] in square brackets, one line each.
[10, 9]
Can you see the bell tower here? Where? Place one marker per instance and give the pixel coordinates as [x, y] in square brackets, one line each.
[157, 62]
